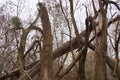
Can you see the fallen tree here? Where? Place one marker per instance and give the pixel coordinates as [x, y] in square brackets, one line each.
[34, 68]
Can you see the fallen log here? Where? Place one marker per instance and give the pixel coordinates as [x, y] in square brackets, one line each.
[65, 48]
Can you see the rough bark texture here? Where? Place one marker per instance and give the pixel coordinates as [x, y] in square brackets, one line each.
[101, 46]
[47, 55]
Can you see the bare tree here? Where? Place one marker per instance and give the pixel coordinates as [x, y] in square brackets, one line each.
[57, 36]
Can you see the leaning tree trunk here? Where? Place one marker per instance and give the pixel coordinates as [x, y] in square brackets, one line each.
[101, 45]
[47, 55]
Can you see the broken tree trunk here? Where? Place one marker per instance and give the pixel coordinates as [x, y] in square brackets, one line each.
[46, 72]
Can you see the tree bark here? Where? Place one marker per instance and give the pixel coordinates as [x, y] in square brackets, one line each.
[46, 72]
[101, 45]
